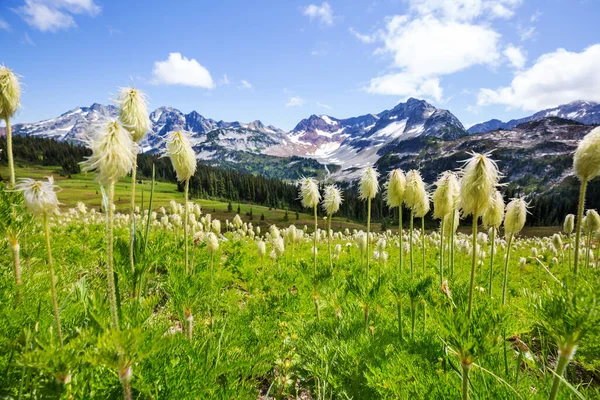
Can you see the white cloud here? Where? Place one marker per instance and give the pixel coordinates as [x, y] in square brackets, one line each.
[465, 10]
[362, 37]
[4, 26]
[54, 15]
[244, 84]
[555, 78]
[295, 102]
[327, 106]
[323, 13]
[515, 56]
[527, 33]
[27, 40]
[224, 80]
[426, 48]
[179, 70]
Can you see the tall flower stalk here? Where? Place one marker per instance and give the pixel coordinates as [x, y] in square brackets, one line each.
[310, 197]
[112, 158]
[10, 100]
[443, 205]
[40, 199]
[479, 178]
[133, 114]
[331, 204]
[586, 163]
[516, 213]
[492, 218]
[590, 225]
[368, 188]
[568, 226]
[396, 187]
[415, 191]
[183, 159]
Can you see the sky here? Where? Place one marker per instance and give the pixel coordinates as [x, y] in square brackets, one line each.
[281, 61]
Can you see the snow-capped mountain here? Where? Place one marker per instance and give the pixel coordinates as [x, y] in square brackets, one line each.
[586, 112]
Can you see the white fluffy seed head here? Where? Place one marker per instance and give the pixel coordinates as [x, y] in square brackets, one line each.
[444, 195]
[477, 184]
[414, 189]
[291, 234]
[569, 224]
[181, 154]
[494, 214]
[332, 199]
[423, 206]
[40, 196]
[516, 213]
[557, 241]
[396, 187]
[309, 193]
[10, 93]
[112, 153]
[212, 242]
[448, 223]
[591, 222]
[216, 226]
[278, 246]
[262, 248]
[81, 208]
[133, 112]
[368, 186]
[586, 161]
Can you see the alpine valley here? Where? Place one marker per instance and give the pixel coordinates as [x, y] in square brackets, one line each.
[534, 153]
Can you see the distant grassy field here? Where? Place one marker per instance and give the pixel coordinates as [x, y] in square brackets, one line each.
[83, 187]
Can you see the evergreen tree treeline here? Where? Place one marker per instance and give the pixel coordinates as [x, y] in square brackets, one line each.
[234, 186]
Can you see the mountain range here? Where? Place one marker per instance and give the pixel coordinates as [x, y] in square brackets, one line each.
[533, 151]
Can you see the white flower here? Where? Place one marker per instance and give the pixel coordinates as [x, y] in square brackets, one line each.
[368, 186]
[332, 199]
[10, 93]
[309, 192]
[182, 155]
[40, 197]
[133, 112]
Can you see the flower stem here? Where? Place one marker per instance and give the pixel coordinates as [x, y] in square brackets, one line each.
[504, 284]
[423, 240]
[442, 251]
[578, 228]
[329, 242]
[110, 257]
[492, 260]
[473, 262]
[368, 232]
[16, 253]
[399, 309]
[401, 245]
[9, 150]
[465, 380]
[132, 212]
[564, 356]
[412, 270]
[315, 243]
[186, 228]
[52, 279]
[452, 245]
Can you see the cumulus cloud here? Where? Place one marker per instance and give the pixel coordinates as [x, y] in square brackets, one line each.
[516, 56]
[179, 70]
[322, 13]
[426, 48]
[555, 78]
[295, 102]
[465, 10]
[54, 15]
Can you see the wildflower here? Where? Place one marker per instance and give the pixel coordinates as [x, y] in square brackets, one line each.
[133, 112]
[309, 193]
[40, 197]
[182, 155]
[395, 188]
[368, 186]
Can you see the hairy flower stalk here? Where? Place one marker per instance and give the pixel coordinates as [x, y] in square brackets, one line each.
[492, 218]
[516, 213]
[591, 224]
[568, 227]
[396, 187]
[112, 158]
[477, 184]
[421, 209]
[413, 196]
[368, 188]
[212, 245]
[133, 115]
[40, 199]
[183, 159]
[443, 204]
[10, 101]
[331, 204]
[310, 197]
[586, 163]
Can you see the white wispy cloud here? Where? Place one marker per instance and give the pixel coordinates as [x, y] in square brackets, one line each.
[322, 13]
[362, 37]
[323, 105]
[555, 78]
[295, 101]
[27, 40]
[55, 15]
[244, 84]
[4, 26]
[179, 70]
[516, 56]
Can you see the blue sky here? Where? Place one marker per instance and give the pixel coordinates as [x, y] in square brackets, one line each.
[280, 61]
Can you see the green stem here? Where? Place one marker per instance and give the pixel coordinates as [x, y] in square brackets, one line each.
[132, 212]
[186, 228]
[315, 243]
[412, 270]
[16, 253]
[465, 380]
[329, 242]
[588, 250]
[564, 356]
[452, 245]
[368, 232]
[9, 150]
[492, 260]
[473, 263]
[401, 245]
[110, 257]
[578, 228]
[423, 240]
[399, 309]
[52, 279]
[504, 283]
[442, 251]
[413, 312]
